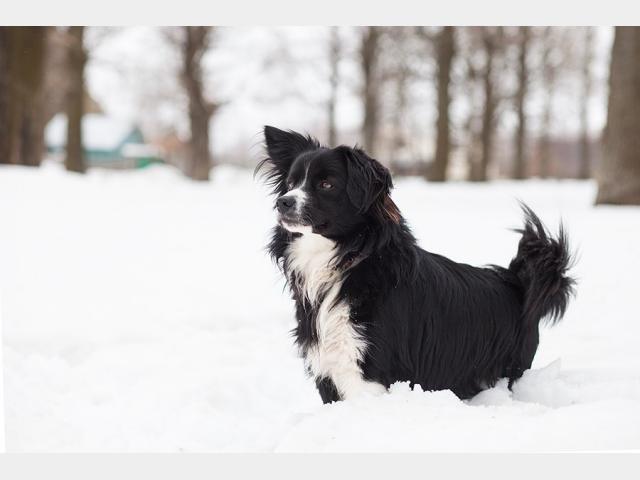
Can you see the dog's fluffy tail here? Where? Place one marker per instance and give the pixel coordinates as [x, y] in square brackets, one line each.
[541, 266]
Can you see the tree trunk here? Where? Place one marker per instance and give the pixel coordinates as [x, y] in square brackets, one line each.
[619, 175]
[4, 95]
[479, 169]
[371, 86]
[334, 81]
[587, 86]
[549, 73]
[445, 45]
[23, 139]
[195, 44]
[398, 145]
[519, 171]
[77, 57]
[545, 137]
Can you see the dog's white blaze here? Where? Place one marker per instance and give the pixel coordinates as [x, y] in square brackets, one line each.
[340, 347]
[296, 228]
[311, 257]
[301, 197]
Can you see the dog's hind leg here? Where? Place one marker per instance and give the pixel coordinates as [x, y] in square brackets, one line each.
[528, 346]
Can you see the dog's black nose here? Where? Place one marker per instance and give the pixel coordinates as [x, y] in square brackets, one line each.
[285, 203]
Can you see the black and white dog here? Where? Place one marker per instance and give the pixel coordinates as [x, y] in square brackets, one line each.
[372, 307]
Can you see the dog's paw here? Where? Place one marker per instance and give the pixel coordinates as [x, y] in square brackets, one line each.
[366, 388]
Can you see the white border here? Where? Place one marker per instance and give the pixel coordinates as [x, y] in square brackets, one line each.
[326, 12]
[319, 466]
[3, 445]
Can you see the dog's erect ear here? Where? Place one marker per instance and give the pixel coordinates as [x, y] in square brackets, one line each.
[285, 146]
[282, 149]
[369, 181]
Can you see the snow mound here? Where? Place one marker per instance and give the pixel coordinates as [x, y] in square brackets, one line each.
[547, 410]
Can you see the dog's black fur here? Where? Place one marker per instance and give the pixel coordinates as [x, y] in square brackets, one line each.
[426, 319]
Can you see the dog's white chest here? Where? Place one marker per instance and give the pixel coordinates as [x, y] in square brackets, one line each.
[340, 346]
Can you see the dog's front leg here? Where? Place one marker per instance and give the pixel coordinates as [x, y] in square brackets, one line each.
[327, 389]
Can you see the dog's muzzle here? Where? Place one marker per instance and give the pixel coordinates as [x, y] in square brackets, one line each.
[286, 204]
[290, 208]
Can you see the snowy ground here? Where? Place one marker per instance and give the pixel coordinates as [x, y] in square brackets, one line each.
[140, 313]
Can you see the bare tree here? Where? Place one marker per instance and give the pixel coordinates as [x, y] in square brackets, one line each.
[549, 69]
[22, 80]
[76, 60]
[556, 56]
[59, 73]
[523, 40]
[369, 63]
[56, 72]
[195, 42]
[619, 175]
[492, 41]
[400, 82]
[335, 52]
[587, 87]
[488, 112]
[470, 129]
[445, 52]
[398, 71]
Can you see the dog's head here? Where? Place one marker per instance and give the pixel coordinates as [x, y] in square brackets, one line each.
[329, 191]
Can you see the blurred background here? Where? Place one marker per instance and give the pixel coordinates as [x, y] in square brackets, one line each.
[443, 103]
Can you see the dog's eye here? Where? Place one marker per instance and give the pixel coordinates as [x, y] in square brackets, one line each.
[325, 185]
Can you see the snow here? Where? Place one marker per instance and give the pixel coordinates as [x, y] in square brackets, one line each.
[142, 314]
